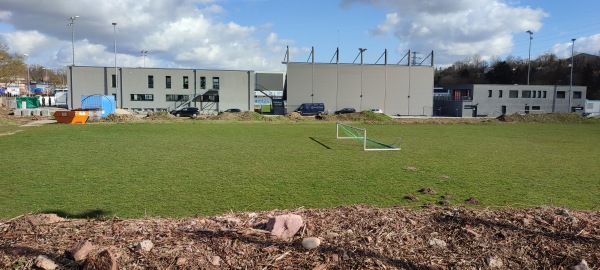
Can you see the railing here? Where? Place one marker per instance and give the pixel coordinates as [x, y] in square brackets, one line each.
[452, 98]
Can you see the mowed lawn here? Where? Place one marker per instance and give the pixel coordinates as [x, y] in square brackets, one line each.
[200, 168]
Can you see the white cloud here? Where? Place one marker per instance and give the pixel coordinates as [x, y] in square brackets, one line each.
[5, 15]
[176, 33]
[391, 21]
[454, 29]
[584, 44]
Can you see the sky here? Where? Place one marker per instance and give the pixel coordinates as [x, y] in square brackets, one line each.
[254, 34]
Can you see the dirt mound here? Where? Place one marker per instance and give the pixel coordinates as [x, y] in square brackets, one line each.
[162, 115]
[350, 237]
[545, 118]
[113, 117]
[241, 116]
[363, 117]
[121, 111]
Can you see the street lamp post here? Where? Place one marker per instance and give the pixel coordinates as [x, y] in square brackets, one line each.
[72, 24]
[116, 74]
[529, 59]
[571, 83]
[144, 55]
[45, 75]
[27, 65]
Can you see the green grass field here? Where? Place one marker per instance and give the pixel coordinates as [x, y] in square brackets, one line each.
[202, 168]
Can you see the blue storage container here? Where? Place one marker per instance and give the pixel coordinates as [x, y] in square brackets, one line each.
[98, 102]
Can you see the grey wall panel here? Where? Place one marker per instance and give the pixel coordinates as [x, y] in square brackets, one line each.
[270, 81]
[348, 95]
[326, 86]
[373, 87]
[341, 85]
[397, 91]
[421, 90]
[86, 81]
[300, 85]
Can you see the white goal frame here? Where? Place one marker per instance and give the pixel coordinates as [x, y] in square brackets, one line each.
[362, 136]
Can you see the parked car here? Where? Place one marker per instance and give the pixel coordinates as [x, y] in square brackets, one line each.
[376, 110]
[345, 110]
[233, 110]
[189, 111]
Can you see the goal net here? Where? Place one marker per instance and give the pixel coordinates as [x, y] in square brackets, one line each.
[344, 131]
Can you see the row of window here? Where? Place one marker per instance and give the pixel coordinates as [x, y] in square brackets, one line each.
[534, 94]
[215, 82]
[150, 97]
[185, 82]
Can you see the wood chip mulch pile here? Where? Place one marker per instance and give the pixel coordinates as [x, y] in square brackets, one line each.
[351, 237]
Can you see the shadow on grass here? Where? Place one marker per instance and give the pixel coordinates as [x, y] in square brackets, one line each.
[97, 213]
[319, 142]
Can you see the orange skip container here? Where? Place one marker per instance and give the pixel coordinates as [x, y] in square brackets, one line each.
[71, 117]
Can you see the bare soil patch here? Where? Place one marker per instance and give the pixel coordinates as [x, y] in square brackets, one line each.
[351, 237]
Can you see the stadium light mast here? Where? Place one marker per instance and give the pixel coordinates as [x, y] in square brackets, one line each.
[571, 83]
[72, 24]
[117, 103]
[144, 55]
[529, 59]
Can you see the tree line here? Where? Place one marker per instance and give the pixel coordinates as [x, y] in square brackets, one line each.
[547, 69]
[13, 70]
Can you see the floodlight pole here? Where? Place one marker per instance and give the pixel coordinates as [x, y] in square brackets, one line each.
[571, 83]
[72, 24]
[529, 59]
[116, 72]
[144, 55]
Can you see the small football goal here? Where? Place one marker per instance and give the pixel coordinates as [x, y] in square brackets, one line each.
[344, 131]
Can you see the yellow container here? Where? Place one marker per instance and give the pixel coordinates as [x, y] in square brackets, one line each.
[71, 117]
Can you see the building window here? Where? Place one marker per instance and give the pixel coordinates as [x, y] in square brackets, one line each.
[533, 94]
[186, 82]
[560, 94]
[526, 94]
[202, 82]
[513, 93]
[142, 97]
[539, 94]
[114, 81]
[535, 108]
[489, 93]
[577, 95]
[150, 81]
[215, 83]
[544, 94]
[177, 97]
[168, 82]
[500, 93]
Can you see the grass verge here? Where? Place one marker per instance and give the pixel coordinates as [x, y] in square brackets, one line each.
[203, 168]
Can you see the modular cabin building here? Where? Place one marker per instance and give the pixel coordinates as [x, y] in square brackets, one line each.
[164, 89]
[493, 100]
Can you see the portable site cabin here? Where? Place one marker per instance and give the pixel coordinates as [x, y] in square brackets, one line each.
[28, 102]
[592, 108]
